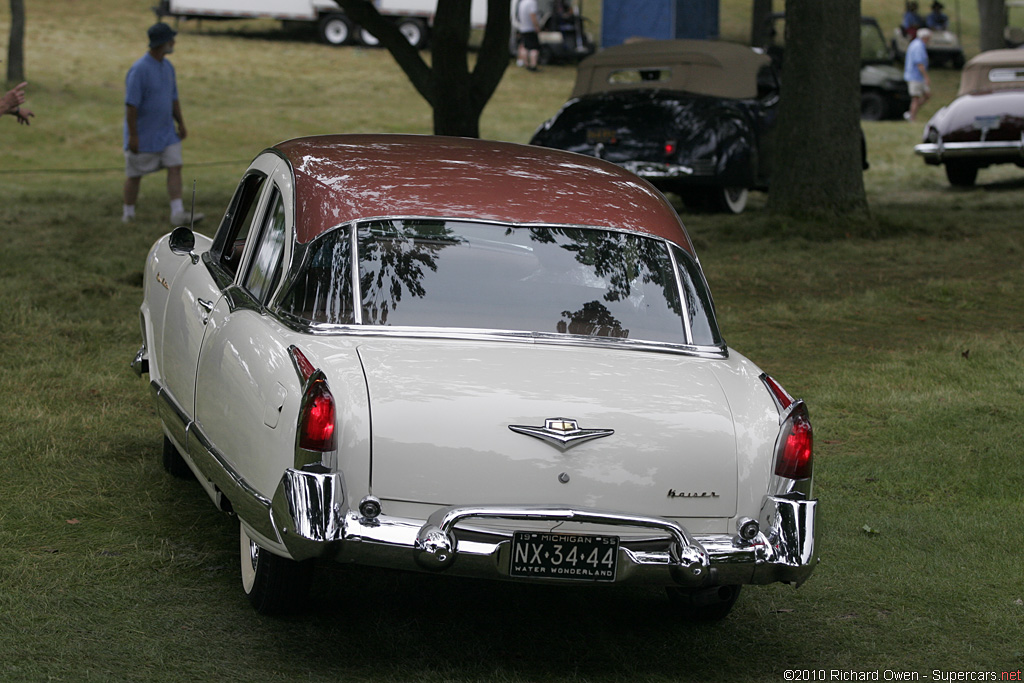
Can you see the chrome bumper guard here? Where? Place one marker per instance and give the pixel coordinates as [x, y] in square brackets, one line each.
[937, 152]
[649, 169]
[655, 169]
[140, 364]
[311, 519]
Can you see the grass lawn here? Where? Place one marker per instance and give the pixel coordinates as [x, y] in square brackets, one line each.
[906, 338]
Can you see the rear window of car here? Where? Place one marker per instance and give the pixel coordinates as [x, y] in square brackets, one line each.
[1007, 75]
[468, 275]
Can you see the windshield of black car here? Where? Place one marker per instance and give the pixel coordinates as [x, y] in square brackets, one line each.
[467, 275]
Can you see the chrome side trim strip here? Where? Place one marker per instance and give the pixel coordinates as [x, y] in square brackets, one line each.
[681, 293]
[713, 352]
[172, 415]
[357, 286]
[246, 501]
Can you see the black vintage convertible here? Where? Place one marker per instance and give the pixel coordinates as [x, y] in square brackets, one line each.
[693, 117]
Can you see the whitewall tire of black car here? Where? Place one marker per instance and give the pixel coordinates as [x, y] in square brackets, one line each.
[733, 199]
[274, 584]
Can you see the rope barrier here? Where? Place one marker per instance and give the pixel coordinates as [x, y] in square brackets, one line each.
[9, 171]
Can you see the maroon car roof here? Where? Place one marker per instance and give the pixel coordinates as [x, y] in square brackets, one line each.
[341, 178]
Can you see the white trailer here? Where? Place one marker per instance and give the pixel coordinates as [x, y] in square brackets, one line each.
[413, 17]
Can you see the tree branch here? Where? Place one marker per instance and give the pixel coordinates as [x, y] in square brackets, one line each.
[366, 15]
[493, 58]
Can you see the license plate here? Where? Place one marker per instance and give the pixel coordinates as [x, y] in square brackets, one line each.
[607, 136]
[564, 556]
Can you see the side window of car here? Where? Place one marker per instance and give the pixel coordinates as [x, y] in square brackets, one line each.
[265, 269]
[234, 230]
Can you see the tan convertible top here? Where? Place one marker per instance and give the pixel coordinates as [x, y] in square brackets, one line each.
[993, 70]
[699, 66]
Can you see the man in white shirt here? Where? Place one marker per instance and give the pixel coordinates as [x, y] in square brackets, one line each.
[529, 33]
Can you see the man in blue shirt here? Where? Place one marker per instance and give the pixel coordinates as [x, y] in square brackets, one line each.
[937, 19]
[151, 141]
[915, 73]
[911, 20]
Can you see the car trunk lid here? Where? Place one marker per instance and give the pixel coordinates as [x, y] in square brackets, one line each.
[457, 423]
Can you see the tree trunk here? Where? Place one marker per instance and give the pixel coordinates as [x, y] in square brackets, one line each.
[991, 22]
[760, 23]
[16, 44]
[818, 162]
[456, 95]
[455, 112]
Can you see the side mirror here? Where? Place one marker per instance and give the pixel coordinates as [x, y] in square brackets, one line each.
[182, 241]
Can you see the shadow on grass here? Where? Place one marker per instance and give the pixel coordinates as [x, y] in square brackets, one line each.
[475, 628]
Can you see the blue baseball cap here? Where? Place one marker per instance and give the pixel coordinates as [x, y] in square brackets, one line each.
[159, 34]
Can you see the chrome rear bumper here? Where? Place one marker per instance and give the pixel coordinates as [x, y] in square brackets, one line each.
[937, 152]
[311, 519]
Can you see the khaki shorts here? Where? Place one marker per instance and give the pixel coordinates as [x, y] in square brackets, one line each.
[917, 88]
[138, 165]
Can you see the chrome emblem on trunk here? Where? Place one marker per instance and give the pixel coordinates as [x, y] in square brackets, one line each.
[562, 433]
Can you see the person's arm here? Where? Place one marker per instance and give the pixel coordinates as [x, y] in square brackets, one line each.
[131, 118]
[176, 112]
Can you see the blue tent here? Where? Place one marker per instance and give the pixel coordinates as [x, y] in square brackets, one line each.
[661, 19]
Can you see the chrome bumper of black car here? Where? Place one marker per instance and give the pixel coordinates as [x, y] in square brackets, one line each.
[667, 171]
[938, 152]
[310, 517]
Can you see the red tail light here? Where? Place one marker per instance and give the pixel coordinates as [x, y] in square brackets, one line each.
[796, 446]
[317, 418]
[670, 148]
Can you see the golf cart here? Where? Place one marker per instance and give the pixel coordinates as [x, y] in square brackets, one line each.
[943, 48]
[883, 92]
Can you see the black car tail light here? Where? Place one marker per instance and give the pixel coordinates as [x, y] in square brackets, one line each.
[670, 147]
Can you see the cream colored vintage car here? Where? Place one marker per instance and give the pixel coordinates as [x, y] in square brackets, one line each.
[984, 125]
[470, 358]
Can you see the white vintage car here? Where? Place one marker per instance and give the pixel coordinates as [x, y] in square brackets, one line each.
[472, 358]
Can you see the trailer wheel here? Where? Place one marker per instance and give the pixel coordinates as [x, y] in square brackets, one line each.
[368, 39]
[415, 31]
[335, 29]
